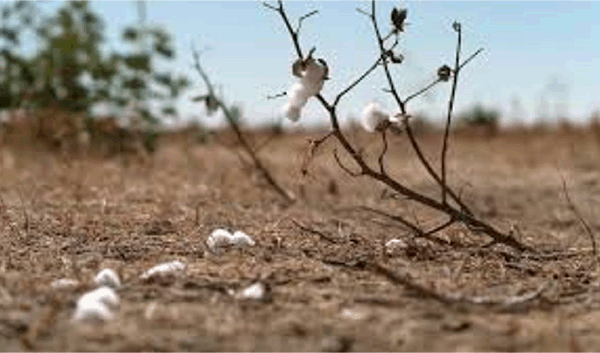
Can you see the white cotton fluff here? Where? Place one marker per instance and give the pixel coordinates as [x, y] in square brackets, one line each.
[373, 116]
[107, 277]
[241, 239]
[165, 269]
[97, 305]
[297, 97]
[64, 283]
[218, 238]
[222, 238]
[395, 245]
[256, 291]
[311, 83]
[291, 112]
[313, 76]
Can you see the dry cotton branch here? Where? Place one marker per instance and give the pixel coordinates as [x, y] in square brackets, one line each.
[457, 212]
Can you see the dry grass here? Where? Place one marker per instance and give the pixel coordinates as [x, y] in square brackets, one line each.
[71, 217]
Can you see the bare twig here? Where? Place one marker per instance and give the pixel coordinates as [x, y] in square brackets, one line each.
[586, 227]
[356, 82]
[421, 91]
[383, 152]
[238, 132]
[418, 232]
[304, 18]
[316, 232]
[346, 169]
[471, 57]
[278, 95]
[313, 146]
[458, 300]
[458, 29]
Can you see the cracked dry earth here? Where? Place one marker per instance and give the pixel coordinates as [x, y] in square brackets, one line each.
[70, 217]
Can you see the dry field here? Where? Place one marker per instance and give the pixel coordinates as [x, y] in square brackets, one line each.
[70, 217]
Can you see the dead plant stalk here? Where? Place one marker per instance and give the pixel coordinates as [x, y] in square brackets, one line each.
[457, 212]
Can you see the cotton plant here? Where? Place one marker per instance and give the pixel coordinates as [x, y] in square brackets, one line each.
[312, 74]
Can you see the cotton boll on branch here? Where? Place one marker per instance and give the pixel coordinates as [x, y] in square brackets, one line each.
[107, 277]
[312, 74]
[373, 117]
[291, 112]
[298, 95]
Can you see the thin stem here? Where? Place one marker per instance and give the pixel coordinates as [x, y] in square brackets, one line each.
[450, 107]
[356, 82]
[238, 132]
[418, 93]
[383, 152]
[584, 224]
[301, 19]
[471, 57]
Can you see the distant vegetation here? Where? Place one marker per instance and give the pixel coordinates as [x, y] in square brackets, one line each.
[70, 69]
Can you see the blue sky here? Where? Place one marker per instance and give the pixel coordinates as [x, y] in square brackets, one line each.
[528, 45]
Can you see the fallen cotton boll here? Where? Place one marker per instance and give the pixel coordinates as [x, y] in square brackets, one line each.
[395, 245]
[241, 239]
[96, 305]
[165, 269]
[218, 238]
[107, 277]
[373, 117]
[64, 283]
[92, 311]
[222, 238]
[257, 291]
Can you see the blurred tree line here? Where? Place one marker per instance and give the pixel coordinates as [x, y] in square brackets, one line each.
[70, 68]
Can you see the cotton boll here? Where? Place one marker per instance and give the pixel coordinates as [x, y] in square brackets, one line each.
[313, 74]
[92, 311]
[96, 305]
[165, 269]
[218, 238]
[104, 295]
[256, 291]
[241, 239]
[107, 277]
[298, 95]
[373, 117]
[64, 283]
[291, 112]
[394, 246]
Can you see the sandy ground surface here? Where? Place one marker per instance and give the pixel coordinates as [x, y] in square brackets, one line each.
[69, 218]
